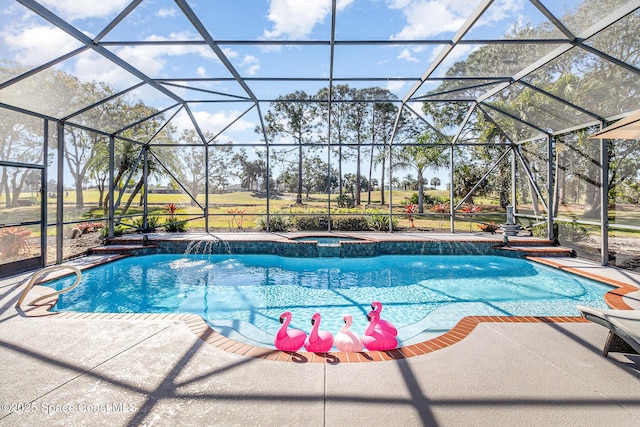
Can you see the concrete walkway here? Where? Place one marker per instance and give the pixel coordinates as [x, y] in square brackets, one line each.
[157, 373]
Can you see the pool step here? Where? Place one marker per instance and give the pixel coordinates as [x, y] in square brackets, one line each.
[514, 241]
[526, 249]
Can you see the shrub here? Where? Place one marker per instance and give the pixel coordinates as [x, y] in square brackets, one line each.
[89, 227]
[238, 221]
[118, 230]
[14, 240]
[173, 225]
[441, 208]
[172, 209]
[409, 211]
[381, 223]
[570, 232]
[153, 222]
[311, 223]
[470, 209]
[31, 201]
[276, 223]
[427, 199]
[351, 223]
[488, 227]
[412, 200]
[345, 201]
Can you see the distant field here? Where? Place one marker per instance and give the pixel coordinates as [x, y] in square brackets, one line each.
[249, 206]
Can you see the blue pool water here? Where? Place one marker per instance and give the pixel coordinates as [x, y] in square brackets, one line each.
[242, 296]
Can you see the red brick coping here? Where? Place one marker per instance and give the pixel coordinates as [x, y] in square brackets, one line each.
[461, 330]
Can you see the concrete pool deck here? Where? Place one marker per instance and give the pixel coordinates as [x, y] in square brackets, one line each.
[88, 371]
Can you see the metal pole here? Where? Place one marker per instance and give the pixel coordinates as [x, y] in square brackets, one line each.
[451, 192]
[112, 165]
[268, 187]
[43, 196]
[206, 188]
[604, 200]
[550, 197]
[390, 190]
[514, 184]
[60, 195]
[329, 157]
[145, 183]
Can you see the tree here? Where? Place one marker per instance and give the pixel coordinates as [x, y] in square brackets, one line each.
[81, 144]
[293, 118]
[125, 158]
[382, 123]
[435, 182]
[192, 171]
[409, 183]
[152, 167]
[466, 176]
[253, 173]
[421, 158]
[317, 177]
[350, 184]
[357, 119]
[221, 166]
[339, 120]
[20, 135]
[20, 141]
[98, 170]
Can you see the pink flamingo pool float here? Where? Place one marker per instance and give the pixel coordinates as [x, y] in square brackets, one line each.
[378, 339]
[346, 340]
[318, 341]
[383, 324]
[288, 339]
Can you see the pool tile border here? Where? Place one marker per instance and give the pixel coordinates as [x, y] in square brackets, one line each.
[199, 327]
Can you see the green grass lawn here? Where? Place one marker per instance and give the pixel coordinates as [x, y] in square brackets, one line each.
[248, 206]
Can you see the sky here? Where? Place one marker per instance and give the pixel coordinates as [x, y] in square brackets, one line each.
[29, 40]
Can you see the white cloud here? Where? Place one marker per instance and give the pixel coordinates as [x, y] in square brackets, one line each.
[251, 65]
[35, 45]
[167, 12]
[201, 71]
[94, 67]
[501, 9]
[427, 18]
[214, 122]
[406, 54]
[73, 9]
[229, 53]
[296, 18]
[394, 86]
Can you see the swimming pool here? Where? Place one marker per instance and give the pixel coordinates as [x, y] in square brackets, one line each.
[242, 296]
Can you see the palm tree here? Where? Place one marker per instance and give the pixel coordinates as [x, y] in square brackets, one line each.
[421, 158]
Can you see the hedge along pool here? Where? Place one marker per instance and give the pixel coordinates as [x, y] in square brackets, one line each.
[242, 296]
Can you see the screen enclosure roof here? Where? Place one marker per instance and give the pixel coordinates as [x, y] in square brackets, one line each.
[534, 67]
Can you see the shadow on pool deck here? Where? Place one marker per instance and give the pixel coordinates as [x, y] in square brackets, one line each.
[132, 372]
[78, 371]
